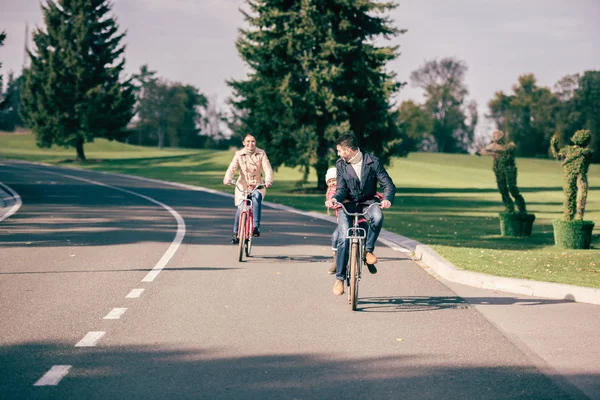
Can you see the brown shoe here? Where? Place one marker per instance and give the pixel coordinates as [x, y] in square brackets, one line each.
[370, 258]
[338, 288]
[331, 269]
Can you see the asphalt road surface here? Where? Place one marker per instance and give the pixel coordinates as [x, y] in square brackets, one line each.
[114, 287]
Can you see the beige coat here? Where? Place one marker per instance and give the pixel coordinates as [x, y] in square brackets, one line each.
[251, 167]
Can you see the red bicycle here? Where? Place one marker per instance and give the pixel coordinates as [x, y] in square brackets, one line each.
[246, 220]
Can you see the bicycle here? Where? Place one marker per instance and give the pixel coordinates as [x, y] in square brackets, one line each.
[246, 220]
[357, 236]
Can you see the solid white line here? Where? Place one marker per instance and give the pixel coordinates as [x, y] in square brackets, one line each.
[180, 224]
[90, 339]
[115, 313]
[135, 293]
[53, 376]
[15, 206]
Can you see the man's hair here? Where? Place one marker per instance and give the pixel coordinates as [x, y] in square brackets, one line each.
[347, 140]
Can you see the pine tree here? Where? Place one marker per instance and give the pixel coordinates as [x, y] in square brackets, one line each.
[316, 72]
[73, 91]
[2, 99]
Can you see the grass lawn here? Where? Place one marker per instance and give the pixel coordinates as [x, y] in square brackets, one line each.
[447, 201]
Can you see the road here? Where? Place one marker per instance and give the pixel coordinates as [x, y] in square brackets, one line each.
[114, 287]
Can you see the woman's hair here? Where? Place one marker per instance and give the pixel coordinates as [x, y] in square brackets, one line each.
[246, 135]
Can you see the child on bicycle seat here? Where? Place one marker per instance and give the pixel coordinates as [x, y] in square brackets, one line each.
[331, 180]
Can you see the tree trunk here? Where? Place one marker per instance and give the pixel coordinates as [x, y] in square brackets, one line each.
[321, 165]
[79, 148]
[161, 137]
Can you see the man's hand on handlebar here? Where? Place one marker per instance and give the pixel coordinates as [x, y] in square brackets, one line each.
[385, 204]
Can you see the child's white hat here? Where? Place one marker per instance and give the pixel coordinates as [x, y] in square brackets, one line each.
[331, 174]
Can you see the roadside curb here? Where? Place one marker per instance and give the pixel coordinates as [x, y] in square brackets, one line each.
[10, 202]
[423, 253]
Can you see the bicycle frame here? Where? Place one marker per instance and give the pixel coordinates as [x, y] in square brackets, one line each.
[246, 220]
[357, 238]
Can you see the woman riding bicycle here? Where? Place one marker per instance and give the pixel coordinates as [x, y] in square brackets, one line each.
[252, 162]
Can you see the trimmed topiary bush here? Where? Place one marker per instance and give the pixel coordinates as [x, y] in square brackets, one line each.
[505, 169]
[575, 234]
[572, 232]
[514, 224]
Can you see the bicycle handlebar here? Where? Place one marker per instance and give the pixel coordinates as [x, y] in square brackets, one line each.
[241, 189]
[357, 214]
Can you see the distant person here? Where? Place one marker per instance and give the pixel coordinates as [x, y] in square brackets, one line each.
[331, 181]
[358, 175]
[252, 162]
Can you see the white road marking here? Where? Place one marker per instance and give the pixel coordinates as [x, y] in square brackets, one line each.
[14, 195]
[135, 293]
[115, 313]
[53, 376]
[180, 224]
[90, 339]
[393, 246]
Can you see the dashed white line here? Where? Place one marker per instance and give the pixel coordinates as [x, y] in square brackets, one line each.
[135, 293]
[53, 376]
[90, 339]
[115, 313]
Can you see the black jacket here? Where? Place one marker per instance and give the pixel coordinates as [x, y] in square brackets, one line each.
[363, 191]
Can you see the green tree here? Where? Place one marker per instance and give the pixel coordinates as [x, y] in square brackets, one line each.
[2, 98]
[169, 114]
[140, 82]
[453, 118]
[194, 102]
[586, 101]
[415, 124]
[316, 72]
[527, 115]
[9, 115]
[73, 92]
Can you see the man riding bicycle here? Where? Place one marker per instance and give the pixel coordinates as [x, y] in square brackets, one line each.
[358, 175]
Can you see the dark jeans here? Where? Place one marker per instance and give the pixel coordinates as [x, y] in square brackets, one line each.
[334, 239]
[256, 209]
[375, 222]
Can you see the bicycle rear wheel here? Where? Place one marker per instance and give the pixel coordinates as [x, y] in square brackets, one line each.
[242, 236]
[354, 260]
[248, 246]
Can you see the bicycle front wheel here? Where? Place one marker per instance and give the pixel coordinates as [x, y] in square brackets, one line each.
[354, 260]
[242, 236]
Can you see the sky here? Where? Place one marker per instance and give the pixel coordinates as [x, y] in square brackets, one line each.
[193, 41]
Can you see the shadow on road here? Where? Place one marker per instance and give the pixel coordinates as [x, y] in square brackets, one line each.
[425, 303]
[144, 372]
